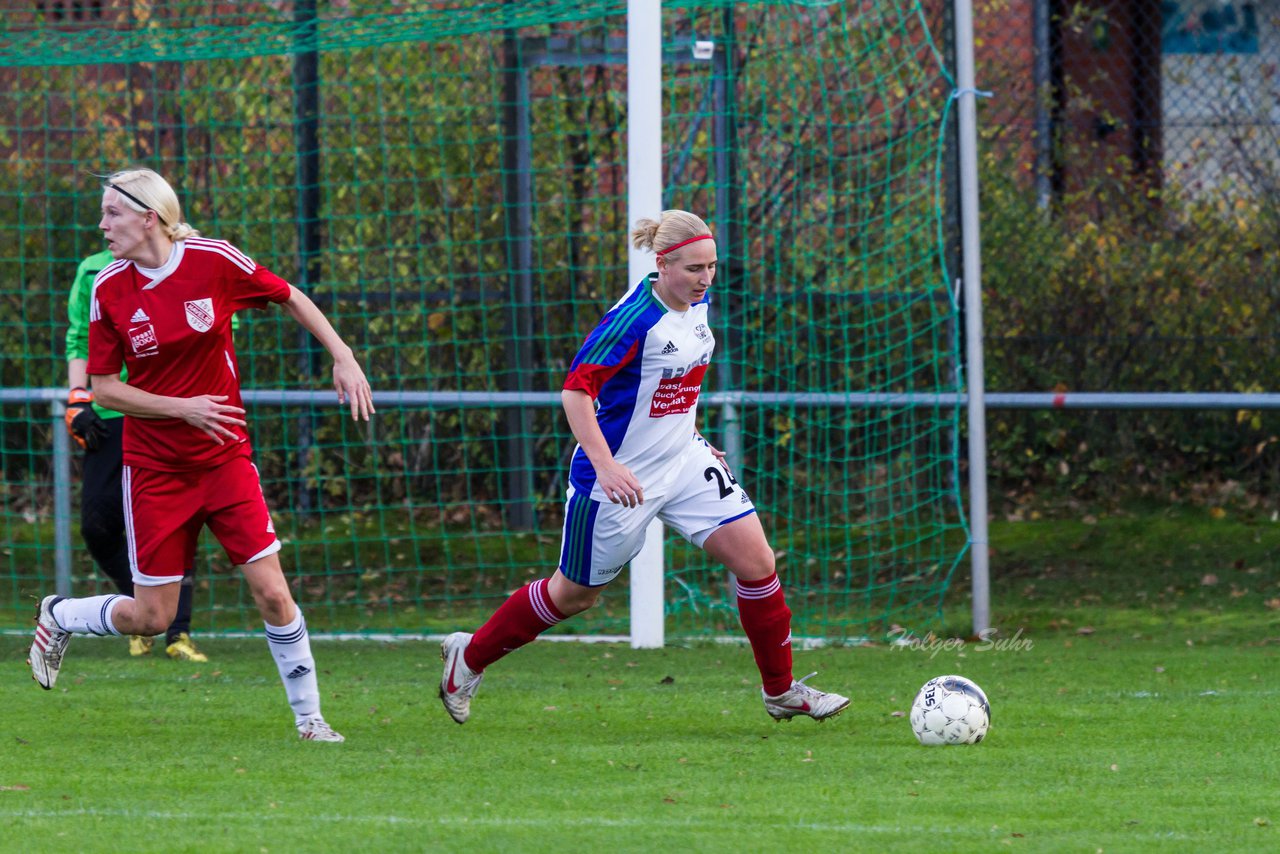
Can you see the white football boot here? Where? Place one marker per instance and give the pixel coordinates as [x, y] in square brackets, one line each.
[313, 728]
[50, 643]
[458, 683]
[801, 699]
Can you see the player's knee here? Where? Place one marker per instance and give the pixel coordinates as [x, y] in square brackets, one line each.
[578, 600]
[275, 604]
[756, 566]
[766, 563]
[151, 623]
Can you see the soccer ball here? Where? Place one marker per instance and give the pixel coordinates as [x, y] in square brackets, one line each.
[950, 710]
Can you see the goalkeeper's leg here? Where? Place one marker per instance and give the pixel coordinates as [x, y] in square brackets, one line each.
[102, 508]
[102, 517]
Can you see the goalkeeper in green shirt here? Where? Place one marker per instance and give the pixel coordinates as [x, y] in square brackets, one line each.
[100, 433]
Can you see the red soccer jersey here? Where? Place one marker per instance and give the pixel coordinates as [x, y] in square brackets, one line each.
[172, 328]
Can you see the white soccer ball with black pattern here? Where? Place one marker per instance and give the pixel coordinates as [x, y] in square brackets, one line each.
[950, 710]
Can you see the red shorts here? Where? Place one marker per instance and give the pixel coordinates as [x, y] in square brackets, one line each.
[165, 510]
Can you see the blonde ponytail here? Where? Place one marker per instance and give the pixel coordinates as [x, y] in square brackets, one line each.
[145, 190]
[673, 227]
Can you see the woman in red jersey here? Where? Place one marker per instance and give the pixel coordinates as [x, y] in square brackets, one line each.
[163, 309]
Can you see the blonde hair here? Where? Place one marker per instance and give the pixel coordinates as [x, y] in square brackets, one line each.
[144, 190]
[670, 228]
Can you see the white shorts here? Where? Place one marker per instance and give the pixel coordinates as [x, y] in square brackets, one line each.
[601, 537]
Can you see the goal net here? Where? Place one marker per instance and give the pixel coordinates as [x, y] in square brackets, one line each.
[448, 182]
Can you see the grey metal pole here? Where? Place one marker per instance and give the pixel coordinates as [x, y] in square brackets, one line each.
[61, 501]
[1041, 400]
[517, 188]
[726, 191]
[306, 135]
[966, 97]
[1042, 76]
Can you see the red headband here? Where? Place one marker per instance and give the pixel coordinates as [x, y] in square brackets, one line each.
[662, 252]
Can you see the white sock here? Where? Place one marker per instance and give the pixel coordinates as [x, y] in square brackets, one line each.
[291, 648]
[88, 616]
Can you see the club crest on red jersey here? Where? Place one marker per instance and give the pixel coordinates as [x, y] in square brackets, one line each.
[200, 314]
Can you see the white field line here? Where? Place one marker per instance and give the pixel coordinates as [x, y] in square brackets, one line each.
[257, 818]
[397, 637]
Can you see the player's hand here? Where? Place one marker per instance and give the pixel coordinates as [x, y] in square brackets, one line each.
[84, 425]
[717, 453]
[353, 388]
[208, 413]
[620, 485]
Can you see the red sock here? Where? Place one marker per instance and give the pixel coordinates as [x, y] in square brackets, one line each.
[526, 614]
[767, 621]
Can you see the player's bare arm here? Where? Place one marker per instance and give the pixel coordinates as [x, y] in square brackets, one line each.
[77, 373]
[348, 378]
[615, 480]
[206, 412]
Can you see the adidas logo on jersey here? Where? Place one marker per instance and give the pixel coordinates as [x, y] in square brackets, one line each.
[139, 316]
[669, 349]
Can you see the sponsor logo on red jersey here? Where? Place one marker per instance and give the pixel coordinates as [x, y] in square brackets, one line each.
[143, 339]
[677, 395]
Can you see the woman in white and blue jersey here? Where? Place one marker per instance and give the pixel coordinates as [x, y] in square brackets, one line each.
[631, 399]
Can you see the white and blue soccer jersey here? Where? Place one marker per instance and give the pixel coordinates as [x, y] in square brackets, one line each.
[644, 365]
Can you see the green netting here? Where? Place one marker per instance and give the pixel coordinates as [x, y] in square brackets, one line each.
[449, 183]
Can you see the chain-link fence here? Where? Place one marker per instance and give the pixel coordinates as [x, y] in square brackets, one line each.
[1130, 219]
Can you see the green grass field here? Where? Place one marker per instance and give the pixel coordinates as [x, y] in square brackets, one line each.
[1134, 709]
